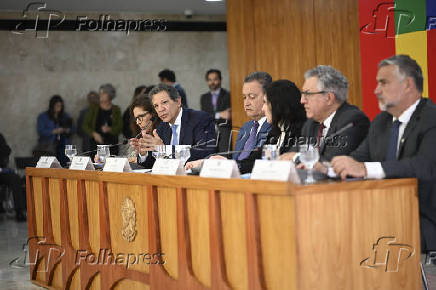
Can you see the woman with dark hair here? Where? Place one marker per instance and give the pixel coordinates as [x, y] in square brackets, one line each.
[103, 123]
[54, 129]
[147, 120]
[285, 113]
[129, 125]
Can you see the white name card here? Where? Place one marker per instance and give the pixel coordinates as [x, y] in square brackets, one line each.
[117, 164]
[168, 167]
[218, 168]
[82, 163]
[279, 170]
[48, 162]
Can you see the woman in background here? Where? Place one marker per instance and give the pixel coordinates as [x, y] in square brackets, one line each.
[129, 126]
[54, 129]
[103, 123]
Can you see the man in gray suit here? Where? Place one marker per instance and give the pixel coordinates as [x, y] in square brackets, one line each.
[401, 141]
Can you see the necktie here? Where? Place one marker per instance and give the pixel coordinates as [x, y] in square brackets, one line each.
[214, 100]
[175, 140]
[320, 129]
[391, 152]
[250, 143]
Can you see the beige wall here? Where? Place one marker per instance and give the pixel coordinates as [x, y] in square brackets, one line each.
[73, 63]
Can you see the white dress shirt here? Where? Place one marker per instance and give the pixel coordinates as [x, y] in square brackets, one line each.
[261, 121]
[177, 122]
[374, 170]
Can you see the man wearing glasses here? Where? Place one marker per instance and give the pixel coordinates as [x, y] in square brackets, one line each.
[333, 125]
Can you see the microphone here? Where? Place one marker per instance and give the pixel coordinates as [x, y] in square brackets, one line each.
[342, 130]
[202, 144]
[232, 152]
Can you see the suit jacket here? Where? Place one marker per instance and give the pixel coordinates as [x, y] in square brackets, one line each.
[416, 158]
[244, 133]
[222, 103]
[343, 143]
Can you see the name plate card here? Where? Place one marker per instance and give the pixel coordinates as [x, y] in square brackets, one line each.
[272, 170]
[117, 164]
[48, 162]
[168, 167]
[82, 163]
[217, 168]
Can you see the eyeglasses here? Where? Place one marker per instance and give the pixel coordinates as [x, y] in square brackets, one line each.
[140, 118]
[307, 94]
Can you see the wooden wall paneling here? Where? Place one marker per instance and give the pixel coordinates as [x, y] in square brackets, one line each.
[336, 40]
[218, 265]
[340, 228]
[284, 38]
[241, 50]
[277, 240]
[255, 268]
[197, 203]
[234, 238]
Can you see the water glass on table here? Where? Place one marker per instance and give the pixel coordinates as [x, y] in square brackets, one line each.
[103, 152]
[309, 156]
[70, 151]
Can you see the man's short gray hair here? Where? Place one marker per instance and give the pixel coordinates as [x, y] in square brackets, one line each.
[109, 90]
[263, 78]
[171, 91]
[331, 80]
[407, 66]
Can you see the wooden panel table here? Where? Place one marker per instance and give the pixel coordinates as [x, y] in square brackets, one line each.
[100, 230]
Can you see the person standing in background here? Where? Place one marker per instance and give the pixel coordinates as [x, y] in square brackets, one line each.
[216, 102]
[54, 129]
[169, 77]
[93, 100]
[104, 123]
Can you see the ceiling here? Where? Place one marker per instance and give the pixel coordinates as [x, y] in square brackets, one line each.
[199, 7]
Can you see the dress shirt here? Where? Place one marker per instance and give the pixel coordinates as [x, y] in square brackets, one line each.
[177, 122]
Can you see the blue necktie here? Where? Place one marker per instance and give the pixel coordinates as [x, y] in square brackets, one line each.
[250, 143]
[175, 139]
[391, 152]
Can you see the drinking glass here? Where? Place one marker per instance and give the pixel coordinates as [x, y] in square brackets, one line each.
[159, 151]
[309, 156]
[183, 153]
[70, 151]
[270, 152]
[103, 152]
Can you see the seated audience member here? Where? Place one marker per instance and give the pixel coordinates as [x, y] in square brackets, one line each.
[9, 178]
[180, 126]
[103, 123]
[93, 100]
[336, 127]
[401, 139]
[54, 129]
[216, 102]
[253, 133]
[285, 113]
[146, 120]
[130, 128]
[168, 77]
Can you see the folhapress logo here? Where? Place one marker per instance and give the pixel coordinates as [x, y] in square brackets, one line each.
[47, 17]
[388, 255]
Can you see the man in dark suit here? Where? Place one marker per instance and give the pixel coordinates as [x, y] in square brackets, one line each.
[168, 77]
[216, 103]
[402, 139]
[180, 126]
[333, 125]
[254, 132]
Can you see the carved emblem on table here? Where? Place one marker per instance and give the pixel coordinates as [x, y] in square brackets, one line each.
[128, 213]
